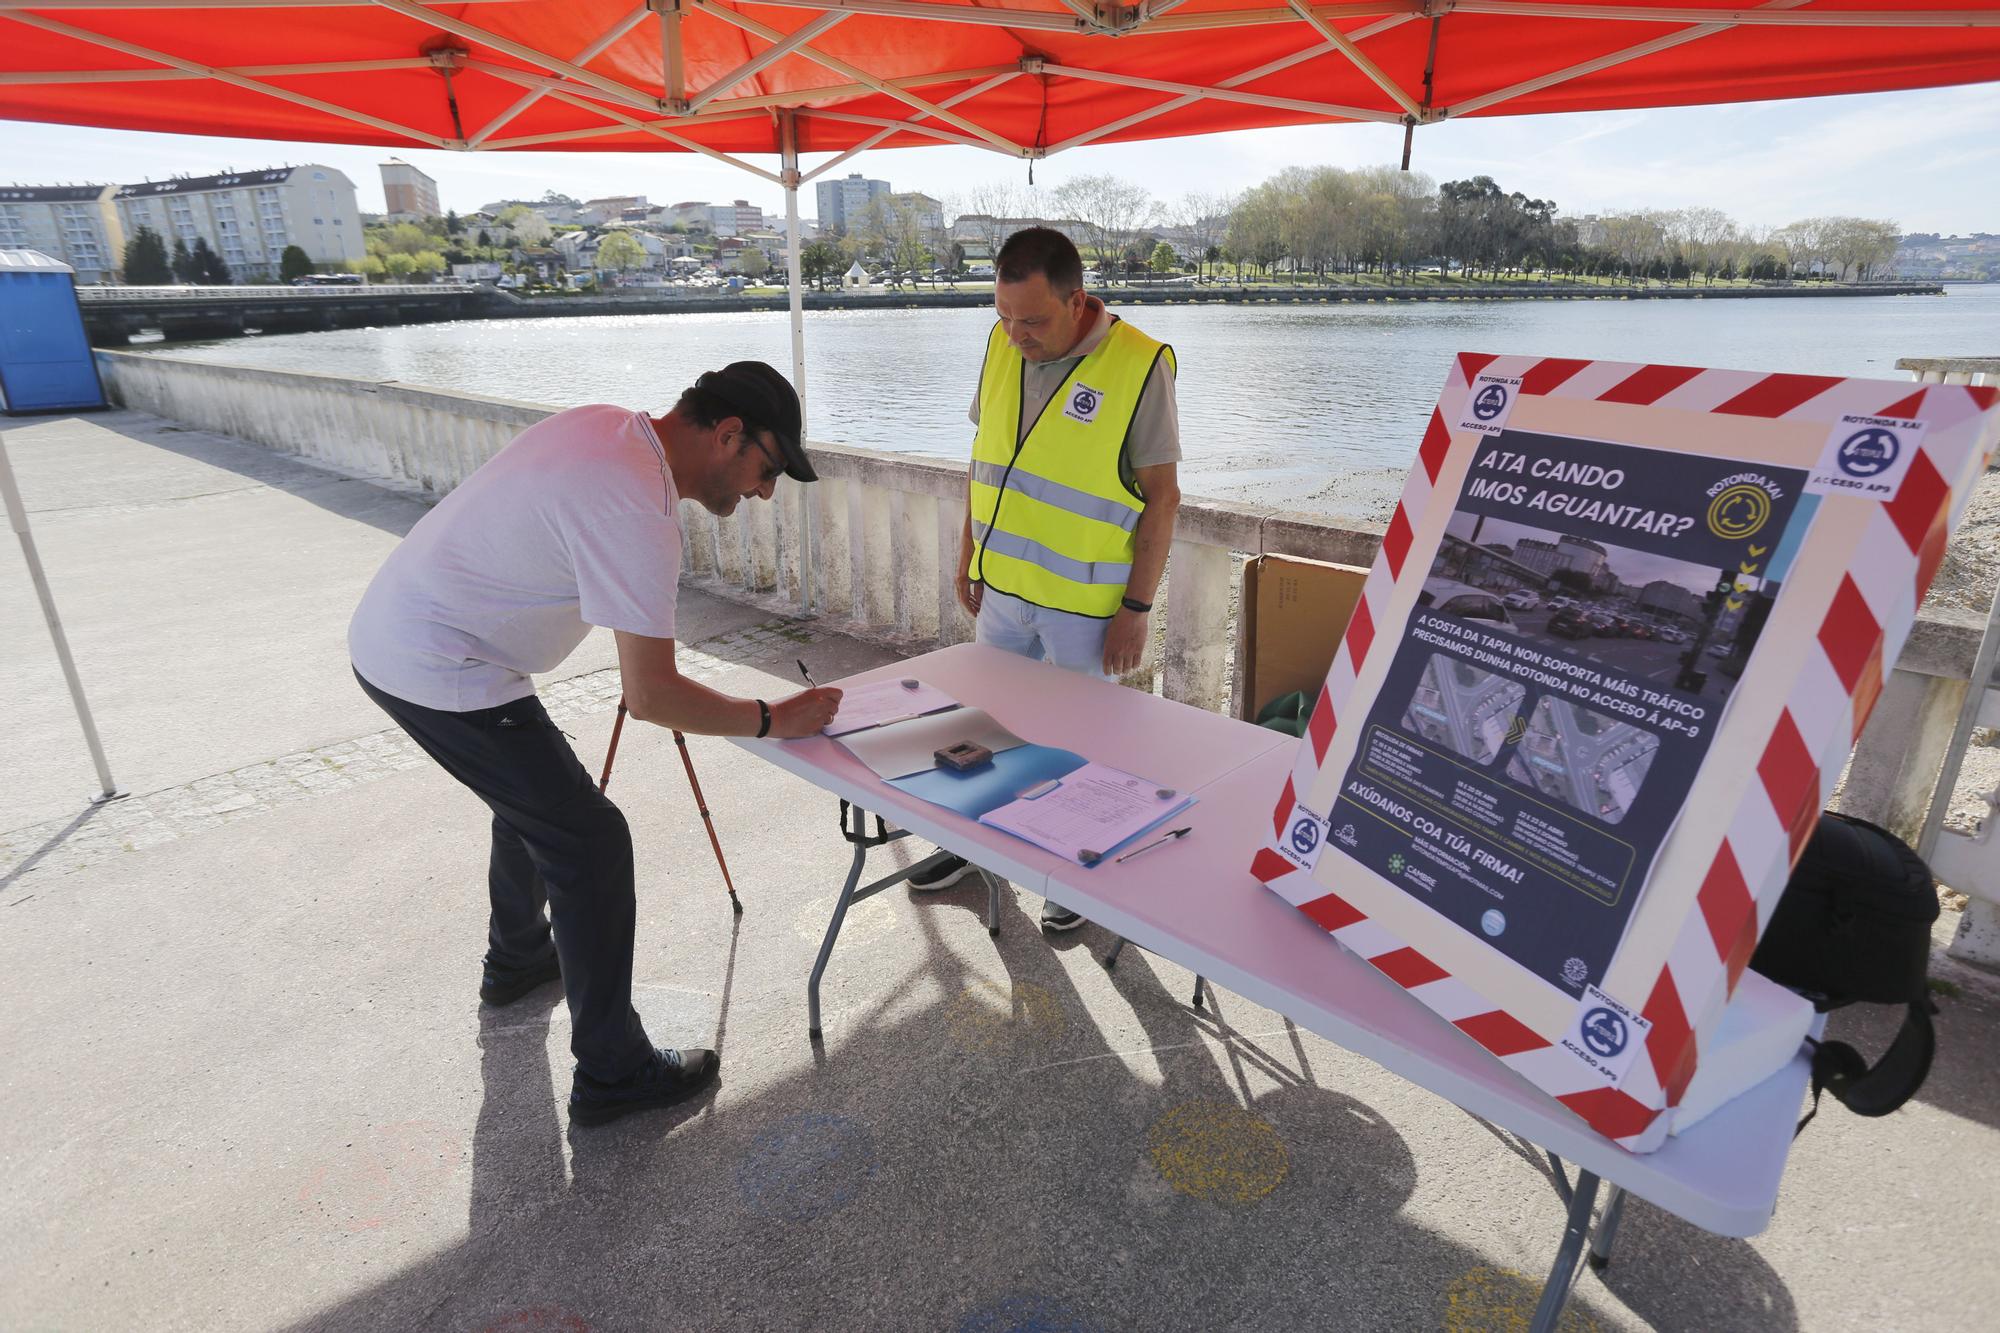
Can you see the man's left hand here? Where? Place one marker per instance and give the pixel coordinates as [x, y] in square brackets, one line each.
[1125, 641]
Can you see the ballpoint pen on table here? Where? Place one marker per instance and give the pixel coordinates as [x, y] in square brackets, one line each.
[1163, 838]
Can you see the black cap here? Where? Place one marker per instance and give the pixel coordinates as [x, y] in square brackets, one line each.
[766, 401]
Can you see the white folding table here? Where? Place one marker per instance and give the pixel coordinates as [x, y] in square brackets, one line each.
[1195, 903]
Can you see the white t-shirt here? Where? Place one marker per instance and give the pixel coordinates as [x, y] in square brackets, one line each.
[573, 524]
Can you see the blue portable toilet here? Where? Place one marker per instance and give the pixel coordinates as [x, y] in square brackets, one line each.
[45, 361]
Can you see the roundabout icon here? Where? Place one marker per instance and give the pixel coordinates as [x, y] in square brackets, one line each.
[1490, 402]
[1868, 453]
[1605, 1033]
[1305, 835]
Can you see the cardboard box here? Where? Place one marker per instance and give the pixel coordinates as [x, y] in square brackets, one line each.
[1293, 613]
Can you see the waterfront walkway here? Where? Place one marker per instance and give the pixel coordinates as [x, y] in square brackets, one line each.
[249, 1084]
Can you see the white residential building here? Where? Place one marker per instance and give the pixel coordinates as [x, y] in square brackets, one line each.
[249, 217]
[734, 219]
[985, 228]
[611, 208]
[930, 212]
[74, 223]
[408, 192]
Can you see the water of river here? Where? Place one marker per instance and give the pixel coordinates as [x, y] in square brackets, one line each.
[1318, 408]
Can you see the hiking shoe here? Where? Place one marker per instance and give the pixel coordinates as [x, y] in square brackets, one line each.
[670, 1076]
[1057, 917]
[940, 872]
[498, 986]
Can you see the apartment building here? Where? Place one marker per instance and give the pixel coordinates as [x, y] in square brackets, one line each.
[408, 193]
[77, 224]
[250, 217]
[929, 211]
[843, 202]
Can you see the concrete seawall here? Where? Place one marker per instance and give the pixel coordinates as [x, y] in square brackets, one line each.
[874, 544]
[507, 306]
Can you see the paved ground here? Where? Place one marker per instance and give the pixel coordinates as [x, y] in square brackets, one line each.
[249, 1084]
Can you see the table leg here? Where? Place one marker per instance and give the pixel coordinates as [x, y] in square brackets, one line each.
[992, 902]
[833, 932]
[1117, 947]
[1607, 1228]
[1555, 1292]
[1197, 991]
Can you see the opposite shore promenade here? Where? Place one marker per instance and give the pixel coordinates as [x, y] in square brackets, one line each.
[112, 315]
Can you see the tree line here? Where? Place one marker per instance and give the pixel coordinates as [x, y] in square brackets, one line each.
[1328, 221]
[1325, 220]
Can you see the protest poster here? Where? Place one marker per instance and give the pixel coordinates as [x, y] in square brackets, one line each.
[1624, 627]
[1572, 651]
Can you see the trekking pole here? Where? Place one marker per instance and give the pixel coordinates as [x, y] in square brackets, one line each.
[612, 753]
[701, 804]
[700, 801]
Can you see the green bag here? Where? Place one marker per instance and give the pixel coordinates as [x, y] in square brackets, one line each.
[1287, 713]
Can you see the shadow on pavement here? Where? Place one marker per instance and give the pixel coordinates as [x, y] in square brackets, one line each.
[365, 501]
[969, 1154]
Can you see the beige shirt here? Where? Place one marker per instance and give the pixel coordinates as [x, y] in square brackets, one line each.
[1155, 436]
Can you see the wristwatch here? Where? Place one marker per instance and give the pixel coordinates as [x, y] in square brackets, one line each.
[1134, 604]
[764, 719]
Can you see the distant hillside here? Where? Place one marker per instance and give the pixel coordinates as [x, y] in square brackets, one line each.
[1928, 255]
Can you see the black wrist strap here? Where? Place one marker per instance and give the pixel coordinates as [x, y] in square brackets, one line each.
[763, 719]
[1134, 604]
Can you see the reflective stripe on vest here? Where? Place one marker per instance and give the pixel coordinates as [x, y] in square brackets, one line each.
[1053, 520]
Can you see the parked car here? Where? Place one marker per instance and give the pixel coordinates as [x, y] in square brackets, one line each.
[1468, 603]
[1718, 649]
[1604, 626]
[1522, 600]
[1570, 623]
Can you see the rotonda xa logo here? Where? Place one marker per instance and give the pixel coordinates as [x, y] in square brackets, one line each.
[1489, 402]
[1605, 1033]
[1868, 453]
[1305, 835]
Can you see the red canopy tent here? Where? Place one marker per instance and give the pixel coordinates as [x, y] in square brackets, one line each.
[1022, 78]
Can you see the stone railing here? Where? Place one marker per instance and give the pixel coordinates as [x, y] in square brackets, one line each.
[1953, 369]
[873, 545]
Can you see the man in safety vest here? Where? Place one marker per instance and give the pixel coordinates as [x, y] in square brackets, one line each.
[1072, 492]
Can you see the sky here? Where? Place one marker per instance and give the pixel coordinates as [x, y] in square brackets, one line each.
[1925, 160]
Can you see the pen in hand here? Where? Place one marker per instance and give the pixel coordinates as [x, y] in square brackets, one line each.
[810, 682]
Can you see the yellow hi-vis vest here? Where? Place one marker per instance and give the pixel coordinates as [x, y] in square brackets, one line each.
[1053, 521]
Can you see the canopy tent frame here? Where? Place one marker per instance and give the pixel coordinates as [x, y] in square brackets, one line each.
[741, 100]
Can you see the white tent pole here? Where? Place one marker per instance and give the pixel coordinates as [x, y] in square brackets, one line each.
[788, 168]
[17, 517]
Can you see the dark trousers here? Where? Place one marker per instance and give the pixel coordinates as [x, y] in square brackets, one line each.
[559, 846]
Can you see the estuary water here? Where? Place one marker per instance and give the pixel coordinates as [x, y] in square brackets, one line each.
[1318, 407]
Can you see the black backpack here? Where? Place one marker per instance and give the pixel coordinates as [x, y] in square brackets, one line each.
[1854, 925]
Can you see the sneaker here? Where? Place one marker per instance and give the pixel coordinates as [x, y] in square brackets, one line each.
[940, 872]
[670, 1076]
[498, 986]
[1057, 917]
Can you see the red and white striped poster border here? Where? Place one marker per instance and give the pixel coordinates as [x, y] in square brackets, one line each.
[1859, 639]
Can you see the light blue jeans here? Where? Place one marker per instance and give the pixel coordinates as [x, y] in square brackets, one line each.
[1072, 642]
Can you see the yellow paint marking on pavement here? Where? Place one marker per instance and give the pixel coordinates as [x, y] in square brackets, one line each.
[987, 1015]
[867, 921]
[1499, 1300]
[1217, 1153]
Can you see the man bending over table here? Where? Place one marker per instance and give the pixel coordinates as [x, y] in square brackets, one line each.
[1072, 492]
[574, 523]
